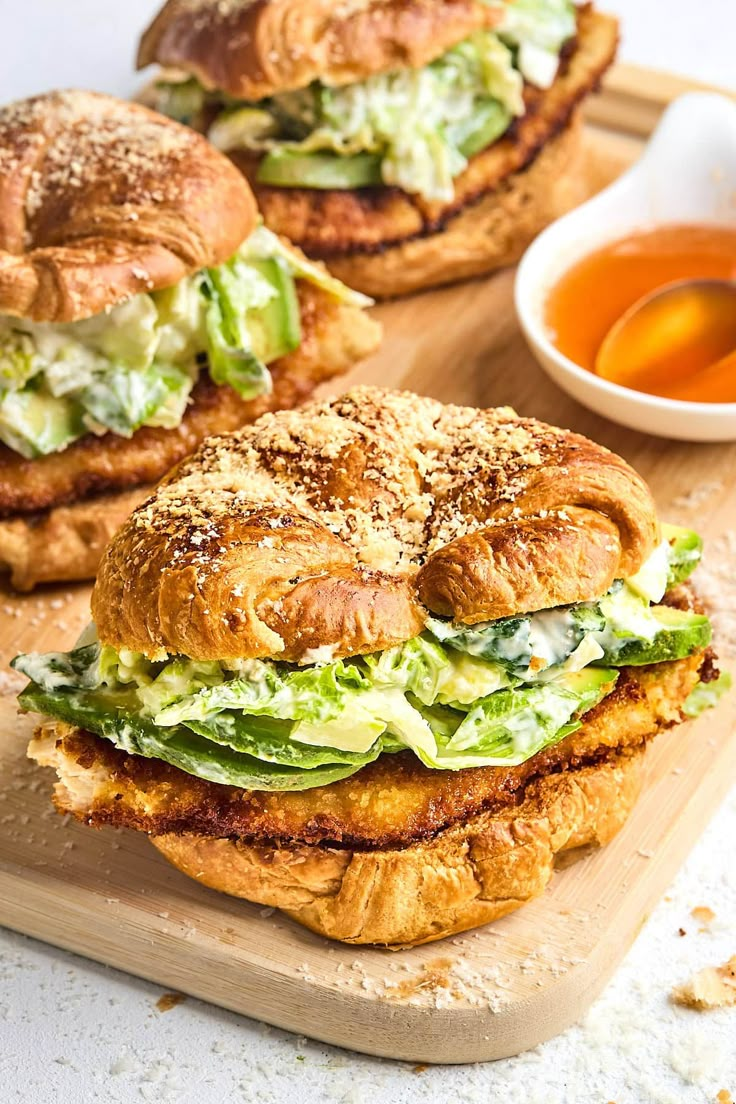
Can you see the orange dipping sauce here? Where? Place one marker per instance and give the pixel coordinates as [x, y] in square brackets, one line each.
[592, 295]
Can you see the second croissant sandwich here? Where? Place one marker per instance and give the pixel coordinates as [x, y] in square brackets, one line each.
[142, 306]
[375, 661]
[407, 143]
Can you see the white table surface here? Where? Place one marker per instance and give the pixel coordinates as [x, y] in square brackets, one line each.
[72, 1032]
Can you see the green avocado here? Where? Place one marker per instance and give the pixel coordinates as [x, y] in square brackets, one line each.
[682, 633]
[291, 169]
[275, 329]
[686, 548]
[487, 123]
[591, 684]
[34, 423]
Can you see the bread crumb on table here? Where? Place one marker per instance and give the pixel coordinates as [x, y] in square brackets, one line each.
[703, 915]
[713, 987]
[167, 1001]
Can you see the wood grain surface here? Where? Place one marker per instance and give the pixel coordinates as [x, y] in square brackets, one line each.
[484, 995]
[633, 98]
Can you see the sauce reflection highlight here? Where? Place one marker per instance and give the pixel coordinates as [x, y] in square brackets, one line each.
[683, 344]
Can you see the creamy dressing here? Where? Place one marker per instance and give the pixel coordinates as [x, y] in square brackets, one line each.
[552, 636]
[626, 615]
[316, 656]
[47, 669]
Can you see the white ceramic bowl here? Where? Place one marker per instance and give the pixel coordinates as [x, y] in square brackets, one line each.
[687, 174]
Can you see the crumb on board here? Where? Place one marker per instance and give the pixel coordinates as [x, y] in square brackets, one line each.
[167, 1001]
[713, 987]
[703, 915]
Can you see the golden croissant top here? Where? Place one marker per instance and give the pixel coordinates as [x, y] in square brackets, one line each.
[341, 525]
[101, 199]
[251, 49]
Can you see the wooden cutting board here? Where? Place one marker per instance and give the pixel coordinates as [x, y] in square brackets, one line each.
[483, 995]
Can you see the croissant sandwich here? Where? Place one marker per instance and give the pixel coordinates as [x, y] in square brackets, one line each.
[375, 661]
[407, 143]
[142, 306]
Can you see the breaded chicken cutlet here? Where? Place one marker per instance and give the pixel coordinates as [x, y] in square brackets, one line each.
[408, 144]
[375, 661]
[142, 308]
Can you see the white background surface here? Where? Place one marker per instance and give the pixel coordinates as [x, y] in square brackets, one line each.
[92, 43]
[72, 1032]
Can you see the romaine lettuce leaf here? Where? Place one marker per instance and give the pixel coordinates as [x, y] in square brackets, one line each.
[312, 694]
[537, 30]
[422, 123]
[123, 400]
[231, 357]
[136, 364]
[182, 747]
[684, 552]
[706, 695]
[457, 696]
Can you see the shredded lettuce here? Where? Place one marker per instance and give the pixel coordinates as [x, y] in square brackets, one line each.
[422, 123]
[537, 30]
[136, 364]
[412, 128]
[457, 696]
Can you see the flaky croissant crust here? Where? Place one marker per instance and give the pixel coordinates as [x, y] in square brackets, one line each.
[102, 199]
[332, 530]
[251, 49]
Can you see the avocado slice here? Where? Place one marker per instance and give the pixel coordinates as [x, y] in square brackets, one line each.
[34, 423]
[276, 328]
[487, 123]
[682, 633]
[686, 548]
[591, 684]
[292, 169]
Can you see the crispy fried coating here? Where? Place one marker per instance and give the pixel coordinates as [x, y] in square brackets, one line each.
[66, 543]
[391, 803]
[334, 337]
